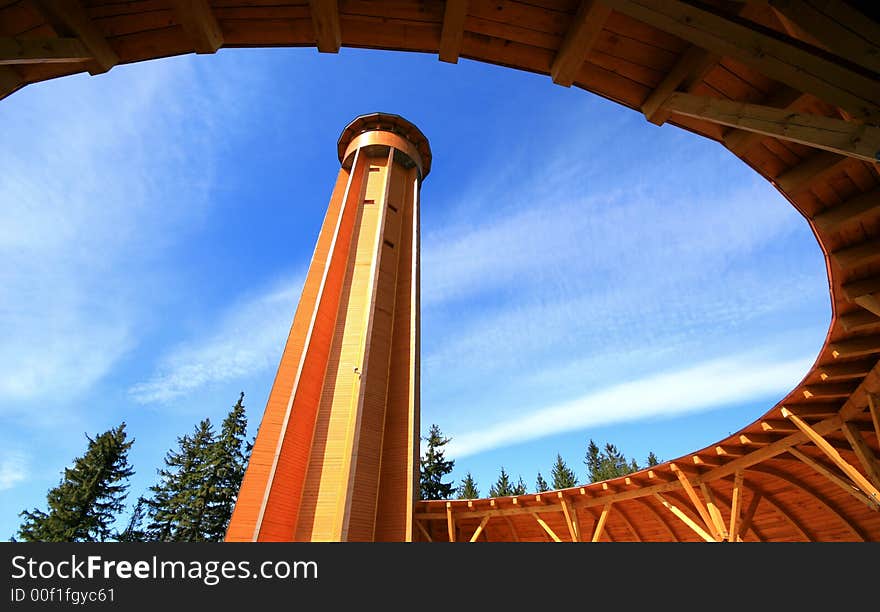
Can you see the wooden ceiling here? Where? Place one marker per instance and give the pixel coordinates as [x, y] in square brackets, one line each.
[791, 87]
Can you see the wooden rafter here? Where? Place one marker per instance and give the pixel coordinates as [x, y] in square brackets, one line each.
[424, 531]
[848, 34]
[861, 319]
[857, 254]
[769, 52]
[600, 524]
[582, 34]
[863, 483]
[325, 21]
[199, 23]
[698, 504]
[673, 537]
[851, 211]
[696, 527]
[844, 371]
[741, 142]
[828, 390]
[777, 426]
[855, 347]
[749, 515]
[727, 450]
[813, 169]
[786, 516]
[714, 511]
[547, 528]
[42, 50]
[690, 68]
[735, 508]
[629, 525]
[874, 409]
[69, 19]
[863, 452]
[512, 528]
[843, 483]
[450, 522]
[815, 495]
[858, 401]
[480, 528]
[566, 511]
[849, 138]
[452, 34]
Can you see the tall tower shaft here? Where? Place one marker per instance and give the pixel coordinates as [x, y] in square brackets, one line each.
[336, 454]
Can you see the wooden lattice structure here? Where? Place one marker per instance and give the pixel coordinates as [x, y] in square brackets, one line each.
[792, 87]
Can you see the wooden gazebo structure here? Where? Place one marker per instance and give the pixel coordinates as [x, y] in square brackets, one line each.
[792, 87]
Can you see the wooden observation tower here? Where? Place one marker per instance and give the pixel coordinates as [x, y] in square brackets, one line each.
[336, 455]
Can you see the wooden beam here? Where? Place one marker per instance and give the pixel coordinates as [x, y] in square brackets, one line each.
[726, 450]
[762, 49]
[696, 501]
[735, 507]
[757, 439]
[856, 347]
[42, 50]
[450, 522]
[749, 515]
[860, 319]
[815, 168]
[629, 525]
[838, 26]
[686, 519]
[673, 537]
[815, 410]
[572, 529]
[787, 517]
[424, 531]
[857, 140]
[512, 528]
[874, 409]
[741, 142]
[863, 452]
[856, 289]
[857, 403]
[10, 81]
[325, 21]
[582, 34]
[546, 528]
[453, 30]
[857, 255]
[870, 302]
[69, 18]
[707, 460]
[838, 390]
[844, 484]
[863, 483]
[690, 68]
[844, 371]
[714, 511]
[480, 527]
[777, 426]
[600, 525]
[200, 25]
[853, 210]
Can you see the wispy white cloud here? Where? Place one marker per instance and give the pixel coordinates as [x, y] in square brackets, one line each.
[708, 385]
[246, 339]
[14, 468]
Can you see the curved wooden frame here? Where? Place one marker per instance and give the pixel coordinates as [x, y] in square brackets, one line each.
[764, 80]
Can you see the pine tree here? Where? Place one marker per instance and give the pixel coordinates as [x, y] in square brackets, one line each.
[608, 463]
[468, 488]
[228, 459]
[541, 484]
[520, 487]
[563, 476]
[84, 505]
[177, 508]
[652, 459]
[502, 486]
[434, 467]
[134, 531]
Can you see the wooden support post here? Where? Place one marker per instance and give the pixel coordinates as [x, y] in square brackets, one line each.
[480, 527]
[686, 519]
[424, 531]
[690, 68]
[844, 484]
[600, 524]
[69, 18]
[579, 39]
[197, 20]
[696, 501]
[851, 211]
[838, 26]
[735, 508]
[863, 452]
[42, 50]
[572, 530]
[857, 140]
[772, 54]
[863, 483]
[453, 30]
[450, 522]
[546, 528]
[325, 21]
[714, 511]
[576, 521]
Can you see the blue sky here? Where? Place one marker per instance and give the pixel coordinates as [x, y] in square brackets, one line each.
[585, 274]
